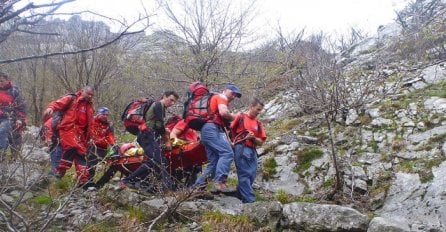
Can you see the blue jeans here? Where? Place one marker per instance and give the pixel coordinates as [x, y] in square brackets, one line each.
[246, 164]
[219, 153]
[55, 156]
[5, 130]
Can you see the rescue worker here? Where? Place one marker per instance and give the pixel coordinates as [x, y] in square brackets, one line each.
[73, 131]
[102, 137]
[12, 117]
[247, 133]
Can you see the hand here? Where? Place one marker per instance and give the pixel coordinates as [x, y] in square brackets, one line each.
[250, 135]
[168, 147]
[143, 128]
[48, 111]
[18, 123]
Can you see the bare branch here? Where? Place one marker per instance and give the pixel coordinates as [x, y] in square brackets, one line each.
[47, 55]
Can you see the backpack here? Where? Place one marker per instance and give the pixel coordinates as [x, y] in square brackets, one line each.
[196, 107]
[135, 114]
[56, 118]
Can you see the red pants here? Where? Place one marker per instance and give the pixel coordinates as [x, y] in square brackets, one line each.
[80, 164]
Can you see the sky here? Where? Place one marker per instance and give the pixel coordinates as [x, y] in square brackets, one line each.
[330, 16]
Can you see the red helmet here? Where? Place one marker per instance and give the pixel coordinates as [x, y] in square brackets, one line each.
[124, 147]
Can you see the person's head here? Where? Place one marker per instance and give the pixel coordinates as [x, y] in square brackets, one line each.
[103, 113]
[4, 80]
[87, 93]
[255, 107]
[169, 98]
[231, 92]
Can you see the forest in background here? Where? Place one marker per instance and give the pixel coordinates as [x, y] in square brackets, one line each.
[48, 57]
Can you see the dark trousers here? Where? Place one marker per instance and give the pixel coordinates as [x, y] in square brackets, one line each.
[156, 162]
[95, 154]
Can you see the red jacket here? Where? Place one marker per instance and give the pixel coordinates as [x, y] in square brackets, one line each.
[12, 104]
[102, 133]
[73, 128]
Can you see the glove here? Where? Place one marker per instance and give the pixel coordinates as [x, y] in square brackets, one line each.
[143, 128]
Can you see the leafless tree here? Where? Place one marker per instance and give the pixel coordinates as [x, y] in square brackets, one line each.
[204, 32]
[17, 18]
[423, 29]
[348, 40]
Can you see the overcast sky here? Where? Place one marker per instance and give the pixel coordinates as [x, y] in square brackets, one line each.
[331, 16]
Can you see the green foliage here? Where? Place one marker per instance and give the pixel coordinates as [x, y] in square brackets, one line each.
[42, 199]
[269, 168]
[218, 221]
[305, 156]
[136, 213]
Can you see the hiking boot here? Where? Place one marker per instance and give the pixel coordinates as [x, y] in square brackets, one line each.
[222, 187]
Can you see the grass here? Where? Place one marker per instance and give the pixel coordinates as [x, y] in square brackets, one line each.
[305, 156]
[42, 200]
[382, 183]
[285, 198]
[281, 126]
[329, 183]
[269, 168]
[374, 145]
[136, 213]
[218, 221]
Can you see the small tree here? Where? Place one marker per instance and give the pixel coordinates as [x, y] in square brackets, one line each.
[204, 33]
